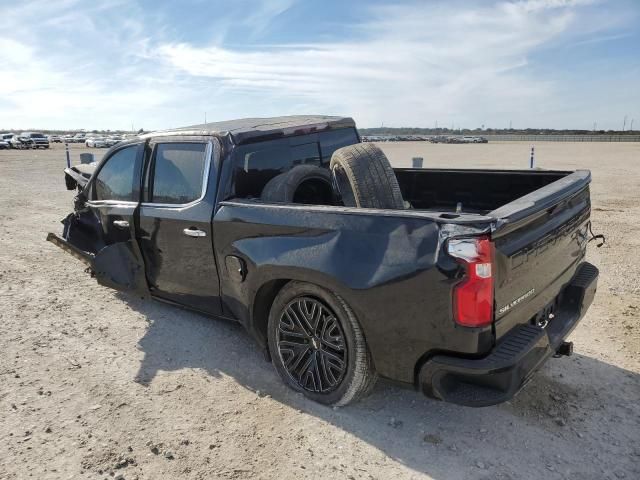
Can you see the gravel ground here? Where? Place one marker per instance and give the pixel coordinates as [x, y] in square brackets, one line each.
[97, 384]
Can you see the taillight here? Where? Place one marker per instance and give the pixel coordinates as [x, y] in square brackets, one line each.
[473, 297]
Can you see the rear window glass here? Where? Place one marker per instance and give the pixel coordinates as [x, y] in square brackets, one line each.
[256, 164]
[178, 172]
[334, 139]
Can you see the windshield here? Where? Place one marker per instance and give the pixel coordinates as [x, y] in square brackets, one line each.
[36, 135]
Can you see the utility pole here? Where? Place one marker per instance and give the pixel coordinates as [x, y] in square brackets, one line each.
[624, 123]
[631, 128]
[595, 125]
[205, 117]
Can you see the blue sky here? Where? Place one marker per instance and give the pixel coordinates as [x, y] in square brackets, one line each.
[108, 64]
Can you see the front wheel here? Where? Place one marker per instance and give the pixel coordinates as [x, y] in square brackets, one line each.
[317, 345]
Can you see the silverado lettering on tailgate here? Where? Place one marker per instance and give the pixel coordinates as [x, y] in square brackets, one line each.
[515, 302]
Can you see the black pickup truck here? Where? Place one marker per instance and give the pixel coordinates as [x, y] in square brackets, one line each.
[458, 282]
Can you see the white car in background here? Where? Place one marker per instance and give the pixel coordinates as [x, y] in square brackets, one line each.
[96, 142]
[474, 140]
[6, 138]
[111, 141]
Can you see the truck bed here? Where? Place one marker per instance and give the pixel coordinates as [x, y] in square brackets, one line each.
[477, 191]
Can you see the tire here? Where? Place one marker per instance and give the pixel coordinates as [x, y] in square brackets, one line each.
[306, 361]
[302, 184]
[364, 177]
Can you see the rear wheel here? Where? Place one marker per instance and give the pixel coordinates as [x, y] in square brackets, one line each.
[317, 345]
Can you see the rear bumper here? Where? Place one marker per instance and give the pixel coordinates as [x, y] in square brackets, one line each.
[517, 356]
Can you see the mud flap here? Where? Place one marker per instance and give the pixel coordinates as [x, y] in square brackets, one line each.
[117, 266]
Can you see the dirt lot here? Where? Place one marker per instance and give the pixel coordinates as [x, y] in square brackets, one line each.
[96, 384]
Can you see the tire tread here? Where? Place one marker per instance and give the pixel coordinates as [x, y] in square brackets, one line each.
[371, 177]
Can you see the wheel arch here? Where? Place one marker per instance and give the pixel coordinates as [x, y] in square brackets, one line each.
[261, 307]
[269, 289]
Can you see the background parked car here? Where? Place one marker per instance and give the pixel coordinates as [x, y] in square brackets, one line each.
[111, 141]
[95, 142]
[20, 142]
[4, 145]
[38, 140]
[6, 137]
[469, 139]
[54, 138]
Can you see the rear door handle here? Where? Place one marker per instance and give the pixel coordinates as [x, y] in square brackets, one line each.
[194, 232]
[121, 223]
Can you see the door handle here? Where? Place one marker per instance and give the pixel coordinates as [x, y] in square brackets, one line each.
[194, 232]
[121, 223]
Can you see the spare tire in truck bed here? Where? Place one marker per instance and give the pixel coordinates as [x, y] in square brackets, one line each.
[302, 184]
[364, 177]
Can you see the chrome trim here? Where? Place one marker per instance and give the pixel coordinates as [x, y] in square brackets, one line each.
[121, 223]
[189, 232]
[213, 148]
[111, 203]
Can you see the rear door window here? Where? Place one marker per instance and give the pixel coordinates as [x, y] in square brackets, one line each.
[178, 171]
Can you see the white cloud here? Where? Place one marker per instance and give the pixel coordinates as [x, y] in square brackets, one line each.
[533, 5]
[413, 65]
[106, 64]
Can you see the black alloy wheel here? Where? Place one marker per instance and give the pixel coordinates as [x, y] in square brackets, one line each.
[311, 345]
[317, 345]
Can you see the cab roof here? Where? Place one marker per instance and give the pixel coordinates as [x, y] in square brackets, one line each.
[247, 130]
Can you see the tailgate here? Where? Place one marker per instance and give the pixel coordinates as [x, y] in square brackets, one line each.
[540, 240]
